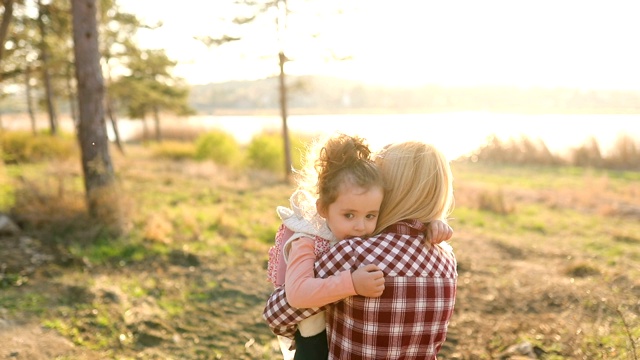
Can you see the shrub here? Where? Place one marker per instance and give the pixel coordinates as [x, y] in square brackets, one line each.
[514, 151]
[19, 147]
[44, 205]
[6, 189]
[218, 146]
[588, 154]
[582, 269]
[493, 202]
[625, 154]
[174, 150]
[180, 132]
[266, 150]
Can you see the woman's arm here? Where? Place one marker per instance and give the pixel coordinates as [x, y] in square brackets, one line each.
[281, 317]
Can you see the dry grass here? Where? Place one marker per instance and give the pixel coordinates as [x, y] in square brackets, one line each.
[559, 271]
[541, 262]
[494, 202]
[52, 198]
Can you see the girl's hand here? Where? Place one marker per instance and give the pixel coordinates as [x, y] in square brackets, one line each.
[438, 231]
[368, 281]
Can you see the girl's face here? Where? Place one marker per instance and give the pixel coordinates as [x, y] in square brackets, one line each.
[354, 213]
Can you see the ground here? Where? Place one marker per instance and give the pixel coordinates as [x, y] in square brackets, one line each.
[519, 297]
[529, 301]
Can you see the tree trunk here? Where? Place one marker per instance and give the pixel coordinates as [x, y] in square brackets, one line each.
[283, 113]
[98, 171]
[46, 77]
[112, 118]
[4, 26]
[145, 129]
[114, 125]
[72, 99]
[27, 81]
[156, 121]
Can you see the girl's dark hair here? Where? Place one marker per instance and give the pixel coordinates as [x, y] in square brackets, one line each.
[344, 159]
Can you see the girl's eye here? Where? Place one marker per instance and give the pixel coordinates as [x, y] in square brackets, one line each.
[348, 216]
[371, 216]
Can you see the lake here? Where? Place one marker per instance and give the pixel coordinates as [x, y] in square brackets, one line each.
[455, 134]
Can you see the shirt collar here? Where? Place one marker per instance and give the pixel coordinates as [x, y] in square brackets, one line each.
[410, 227]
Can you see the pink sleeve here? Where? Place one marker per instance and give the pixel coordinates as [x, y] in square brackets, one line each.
[282, 264]
[303, 290]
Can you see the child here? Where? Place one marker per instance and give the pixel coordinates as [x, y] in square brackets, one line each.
[350, 192]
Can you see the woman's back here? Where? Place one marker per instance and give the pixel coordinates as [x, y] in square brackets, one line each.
[410, 319]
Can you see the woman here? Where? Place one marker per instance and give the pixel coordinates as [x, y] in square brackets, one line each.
[410, 319]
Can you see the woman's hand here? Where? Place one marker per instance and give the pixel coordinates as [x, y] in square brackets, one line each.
[368, 281]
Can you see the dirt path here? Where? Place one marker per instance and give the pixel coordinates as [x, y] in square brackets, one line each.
[32, 341]
[223, 322]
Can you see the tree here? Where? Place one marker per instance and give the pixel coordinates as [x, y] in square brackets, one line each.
[279, 12]
[283, 114]
[117, 30]
[281, 15]
[7, 16]
[40, 43]
[46, 72]
[150, 88]
[20, 57]
[98, 171]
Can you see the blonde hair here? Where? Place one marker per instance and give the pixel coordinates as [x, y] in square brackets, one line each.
[418, 184]
[341, 159]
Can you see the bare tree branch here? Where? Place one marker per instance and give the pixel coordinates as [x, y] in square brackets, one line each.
[209, 41]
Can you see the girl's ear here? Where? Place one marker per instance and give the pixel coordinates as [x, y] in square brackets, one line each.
[322, 211]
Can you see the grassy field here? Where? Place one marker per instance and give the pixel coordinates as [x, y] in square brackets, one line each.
[549, 263]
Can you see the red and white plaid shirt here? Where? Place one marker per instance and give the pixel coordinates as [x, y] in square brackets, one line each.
[409, 320]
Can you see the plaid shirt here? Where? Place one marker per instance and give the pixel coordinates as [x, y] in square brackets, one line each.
[409, 320]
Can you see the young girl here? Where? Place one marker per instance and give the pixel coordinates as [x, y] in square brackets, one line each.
[350, 192]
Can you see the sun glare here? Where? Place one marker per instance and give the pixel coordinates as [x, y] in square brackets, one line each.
[546, 43]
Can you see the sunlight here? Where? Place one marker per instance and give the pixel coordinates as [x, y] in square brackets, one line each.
[495, 42]
[455, 134]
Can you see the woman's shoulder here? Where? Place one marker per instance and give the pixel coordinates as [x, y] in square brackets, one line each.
[384, 240]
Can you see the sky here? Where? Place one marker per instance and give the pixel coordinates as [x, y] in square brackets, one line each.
[526, 43]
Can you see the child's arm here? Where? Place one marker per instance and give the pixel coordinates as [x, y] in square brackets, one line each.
[438, 231]
[282, 235]
[303, 290]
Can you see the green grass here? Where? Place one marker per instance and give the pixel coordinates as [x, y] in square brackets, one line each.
[30, 303]
[540, 177]
[115, 251]
[195, 250]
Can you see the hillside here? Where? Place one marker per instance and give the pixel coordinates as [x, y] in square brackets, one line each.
[312, 94]
[315, 94]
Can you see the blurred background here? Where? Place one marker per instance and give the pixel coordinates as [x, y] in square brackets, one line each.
[560, 73]
[135, 223]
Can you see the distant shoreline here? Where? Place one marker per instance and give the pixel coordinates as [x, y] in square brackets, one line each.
[391, 111]
[456, 133]
[42, 118]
